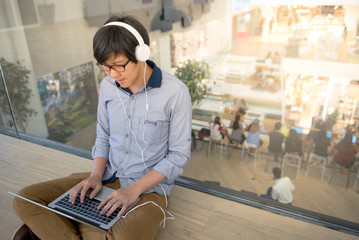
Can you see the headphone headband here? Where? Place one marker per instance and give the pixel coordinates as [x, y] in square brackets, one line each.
[142, 50]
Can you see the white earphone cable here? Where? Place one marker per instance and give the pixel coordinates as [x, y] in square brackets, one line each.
[163, 222]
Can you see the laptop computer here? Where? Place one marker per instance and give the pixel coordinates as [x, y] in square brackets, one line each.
[85, 212]
[298, 129]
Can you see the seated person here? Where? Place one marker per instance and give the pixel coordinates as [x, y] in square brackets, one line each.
[311, 135]
[218, 130]
[345, 155]
[237, 135]
[276, 139]
[293, 143]
[322, 144]
[254, 130]
[282, 189]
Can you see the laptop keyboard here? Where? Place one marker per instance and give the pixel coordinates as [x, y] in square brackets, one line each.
[86, 209]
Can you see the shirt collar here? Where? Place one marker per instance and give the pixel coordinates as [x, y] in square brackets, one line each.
[155, 80]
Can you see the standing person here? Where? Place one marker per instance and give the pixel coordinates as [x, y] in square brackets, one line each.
[243, 106]
[143, 142]
[237, 135]
[282, 188]
[276, 139]
[258, 77]
[345, 155]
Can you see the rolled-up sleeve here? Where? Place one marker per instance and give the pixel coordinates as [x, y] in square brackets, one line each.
[101, 147]
[179, 143]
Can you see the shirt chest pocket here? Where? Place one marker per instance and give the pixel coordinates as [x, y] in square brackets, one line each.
[154, 131]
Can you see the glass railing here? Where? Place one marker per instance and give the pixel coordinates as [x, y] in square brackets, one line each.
[53, 85]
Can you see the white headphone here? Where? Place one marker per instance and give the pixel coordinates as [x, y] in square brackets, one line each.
[142, 50]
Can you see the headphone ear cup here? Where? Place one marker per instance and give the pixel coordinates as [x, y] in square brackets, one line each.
[142, 52]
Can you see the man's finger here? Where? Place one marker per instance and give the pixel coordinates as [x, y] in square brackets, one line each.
[95, 191]
[83, 193]
[73, 194]
[123, 209]
[103, 202]
[107, 207]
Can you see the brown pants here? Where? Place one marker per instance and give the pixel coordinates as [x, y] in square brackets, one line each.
[142, 223]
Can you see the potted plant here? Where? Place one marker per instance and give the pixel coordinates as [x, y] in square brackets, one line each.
[17, 80]
[194, 74]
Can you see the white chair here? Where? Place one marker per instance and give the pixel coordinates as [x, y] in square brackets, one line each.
[288, 161]
[321, 162]
[246, 147]
[214, 142]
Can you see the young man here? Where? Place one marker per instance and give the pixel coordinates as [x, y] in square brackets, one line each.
[143, 142]
[282, 189]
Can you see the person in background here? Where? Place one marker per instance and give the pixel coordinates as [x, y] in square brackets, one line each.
[243, 106]
[282, 188]
[322, 143]
[269, 58]
[276, 139]
[293, 143]
[218, 130]
[234, 107]
[254, 130]
[258, 77]
[276, 58]
[237, 131]
[308, 142]
[345, 155]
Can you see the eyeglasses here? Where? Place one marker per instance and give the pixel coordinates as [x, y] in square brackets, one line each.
[117, 68]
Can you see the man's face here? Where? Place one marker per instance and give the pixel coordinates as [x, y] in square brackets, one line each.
[130, 78]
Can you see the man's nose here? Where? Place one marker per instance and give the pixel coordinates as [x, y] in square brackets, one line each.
[113, 73]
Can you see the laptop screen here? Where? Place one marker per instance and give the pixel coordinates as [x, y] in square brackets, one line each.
[298, 129]
[329, 134]
[354, 138]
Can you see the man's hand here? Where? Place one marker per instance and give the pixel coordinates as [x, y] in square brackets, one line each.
[122, 197]
[92, 182]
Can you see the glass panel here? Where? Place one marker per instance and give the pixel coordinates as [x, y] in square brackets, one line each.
[296, 65]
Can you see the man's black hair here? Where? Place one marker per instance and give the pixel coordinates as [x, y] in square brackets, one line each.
[276, 172]
[277, 125]
[115, 40]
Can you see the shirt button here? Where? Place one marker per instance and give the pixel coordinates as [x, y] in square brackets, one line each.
[126, 135]
[129, 116]
[132, 97]
[121, 169]
[126, 153]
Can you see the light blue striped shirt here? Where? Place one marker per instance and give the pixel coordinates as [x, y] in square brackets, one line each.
[167, 132]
